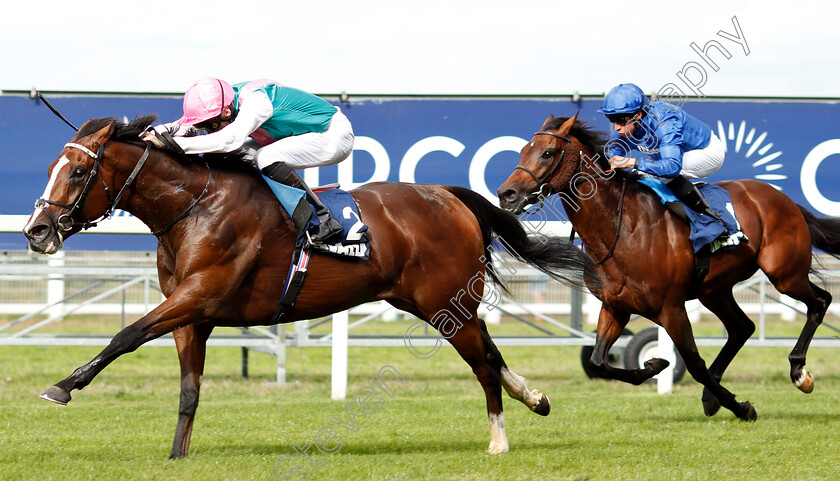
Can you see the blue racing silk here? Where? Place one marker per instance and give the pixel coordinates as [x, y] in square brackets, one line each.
[665, 134]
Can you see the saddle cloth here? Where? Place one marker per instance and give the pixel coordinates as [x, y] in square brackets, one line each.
[705, 231]
[352, 243]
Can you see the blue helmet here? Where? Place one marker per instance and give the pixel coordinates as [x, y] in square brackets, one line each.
[624, 99]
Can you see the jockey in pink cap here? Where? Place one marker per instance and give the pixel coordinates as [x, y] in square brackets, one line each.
[289, 129]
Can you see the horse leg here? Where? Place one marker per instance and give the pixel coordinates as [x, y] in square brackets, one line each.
[675, 322]
[817, 300]
[468, 339]
[177, 311]
[739, 328]
[610, 327]
[513, 383]
[486, 365]
[191, 342]
[787, 264]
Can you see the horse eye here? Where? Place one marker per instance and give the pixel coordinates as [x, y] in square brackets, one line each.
[77, 172]
[547, 154]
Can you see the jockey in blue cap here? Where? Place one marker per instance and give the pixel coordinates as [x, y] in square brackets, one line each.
[679, 147]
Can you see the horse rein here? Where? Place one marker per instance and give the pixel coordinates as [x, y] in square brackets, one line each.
[618, 224]
[66, 221]
[189, 210]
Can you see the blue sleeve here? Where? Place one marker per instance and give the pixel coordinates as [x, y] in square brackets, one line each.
[668, 165]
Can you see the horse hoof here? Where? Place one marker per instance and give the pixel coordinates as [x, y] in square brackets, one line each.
[805, 383]
[656, 365]
[57, 395]
[497, 448]
[544, 406]
[751, 414]
[711, 406]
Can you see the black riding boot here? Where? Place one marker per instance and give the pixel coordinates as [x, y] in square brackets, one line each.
[688, 193]
[285, 174]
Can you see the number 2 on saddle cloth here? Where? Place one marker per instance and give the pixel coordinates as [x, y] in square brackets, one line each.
[352, 243]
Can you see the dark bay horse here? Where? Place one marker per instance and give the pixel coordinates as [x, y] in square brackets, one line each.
[647, 261]
[224, 247]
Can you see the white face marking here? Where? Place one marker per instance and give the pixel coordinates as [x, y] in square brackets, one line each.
[60, 165]
[48, 190]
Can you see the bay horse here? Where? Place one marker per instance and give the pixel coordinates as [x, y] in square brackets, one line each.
[647, 262]
[225, 243]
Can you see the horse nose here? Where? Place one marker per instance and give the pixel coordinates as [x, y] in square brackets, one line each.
[37, 232]
[507, 196]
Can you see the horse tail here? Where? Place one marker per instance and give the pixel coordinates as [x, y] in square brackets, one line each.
[554, 256]
[825, 232]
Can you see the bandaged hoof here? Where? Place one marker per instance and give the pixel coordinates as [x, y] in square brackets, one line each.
[805, 383]
[57, 395]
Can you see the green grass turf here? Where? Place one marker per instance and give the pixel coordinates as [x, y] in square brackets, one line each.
[434, 426]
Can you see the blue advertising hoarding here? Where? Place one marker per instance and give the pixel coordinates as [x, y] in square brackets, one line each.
[471, 142]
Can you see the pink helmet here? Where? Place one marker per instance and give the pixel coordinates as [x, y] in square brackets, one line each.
[205, 100]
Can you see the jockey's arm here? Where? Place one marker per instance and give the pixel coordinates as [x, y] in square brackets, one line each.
[668, 165]
[171, 128]
[255, 109]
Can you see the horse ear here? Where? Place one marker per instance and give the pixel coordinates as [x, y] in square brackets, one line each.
[547, 121]
[102, 135]
[97, 138]
[567, 125]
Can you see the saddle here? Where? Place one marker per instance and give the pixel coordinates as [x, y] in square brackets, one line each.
[705, 232]
[353, 241]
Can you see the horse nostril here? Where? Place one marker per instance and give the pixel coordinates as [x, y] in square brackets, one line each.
[38, 231]
[507, 195]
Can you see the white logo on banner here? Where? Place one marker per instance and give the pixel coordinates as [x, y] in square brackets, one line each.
[808, 177]
[742, 139]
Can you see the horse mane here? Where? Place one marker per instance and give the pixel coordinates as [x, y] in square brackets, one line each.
[130, 133]
[594, 141]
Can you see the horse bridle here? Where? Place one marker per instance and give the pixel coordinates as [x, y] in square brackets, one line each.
[543, 186]
[541, 194]
[67, 222]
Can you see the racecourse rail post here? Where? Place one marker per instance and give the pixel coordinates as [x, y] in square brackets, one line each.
[339, 354]
[665, 379]
[280, 351]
